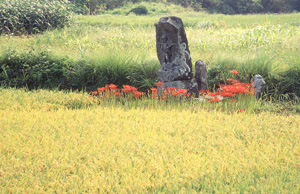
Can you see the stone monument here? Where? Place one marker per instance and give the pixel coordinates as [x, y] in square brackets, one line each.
[259, 85]
[175, 59]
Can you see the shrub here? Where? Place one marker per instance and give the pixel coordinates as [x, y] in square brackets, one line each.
[139, 10]
[32, 69]
[29, 17]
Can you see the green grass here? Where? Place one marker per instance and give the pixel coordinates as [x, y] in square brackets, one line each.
[208, 35]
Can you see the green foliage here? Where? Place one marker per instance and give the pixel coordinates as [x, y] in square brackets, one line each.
[144, 75]
[113, 68]
[139, 10]
[44, 70]
[146, 8]
[94, 72]
[29, 17]
[288, 83]
[31, 69]
[245, 6]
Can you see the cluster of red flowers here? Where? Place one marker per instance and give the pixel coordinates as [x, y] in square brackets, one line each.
[127, 91]
[171, 91]
[111, 89]
[225, 91]
[232, 90]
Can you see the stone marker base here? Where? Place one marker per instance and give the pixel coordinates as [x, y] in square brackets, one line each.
[190, 85]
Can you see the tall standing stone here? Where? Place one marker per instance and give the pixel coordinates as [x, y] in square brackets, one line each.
[172, 50]
[174, 56]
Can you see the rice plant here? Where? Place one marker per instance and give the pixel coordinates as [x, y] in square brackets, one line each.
[64, 142]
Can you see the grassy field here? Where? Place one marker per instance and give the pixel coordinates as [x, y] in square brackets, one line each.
[65, 142]
[55, 141]
[210, 37]
[254, 44]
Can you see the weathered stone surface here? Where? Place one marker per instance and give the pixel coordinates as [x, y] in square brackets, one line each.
[201, 75]
[190, 85]
[259, 85]
[172, 50]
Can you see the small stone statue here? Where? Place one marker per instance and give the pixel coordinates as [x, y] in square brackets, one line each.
[258, 84]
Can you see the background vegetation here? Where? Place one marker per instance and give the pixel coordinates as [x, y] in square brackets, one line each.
[28, 16]
[97, 50]
[214, 6]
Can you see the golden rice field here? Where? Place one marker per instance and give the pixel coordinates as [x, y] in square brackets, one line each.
[48, 146]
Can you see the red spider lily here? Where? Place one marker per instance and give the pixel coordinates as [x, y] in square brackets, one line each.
[203, 92]
[127, 89]
[212, 94]
[226, 94]
[118, 93]
[235, 81]
[240, 110]
[153, 90]
[176, 93]
[229, 79]
[237, 88]
[172, 88]
[182, 91]
[232, 100]
[126, 86]
[102, 89]
[247, 84]
[215, 100]
[159, 83]
[234, 71]
[170, 91]
[112, 86]
[133, 88]
[137, 94]
[95, 93]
